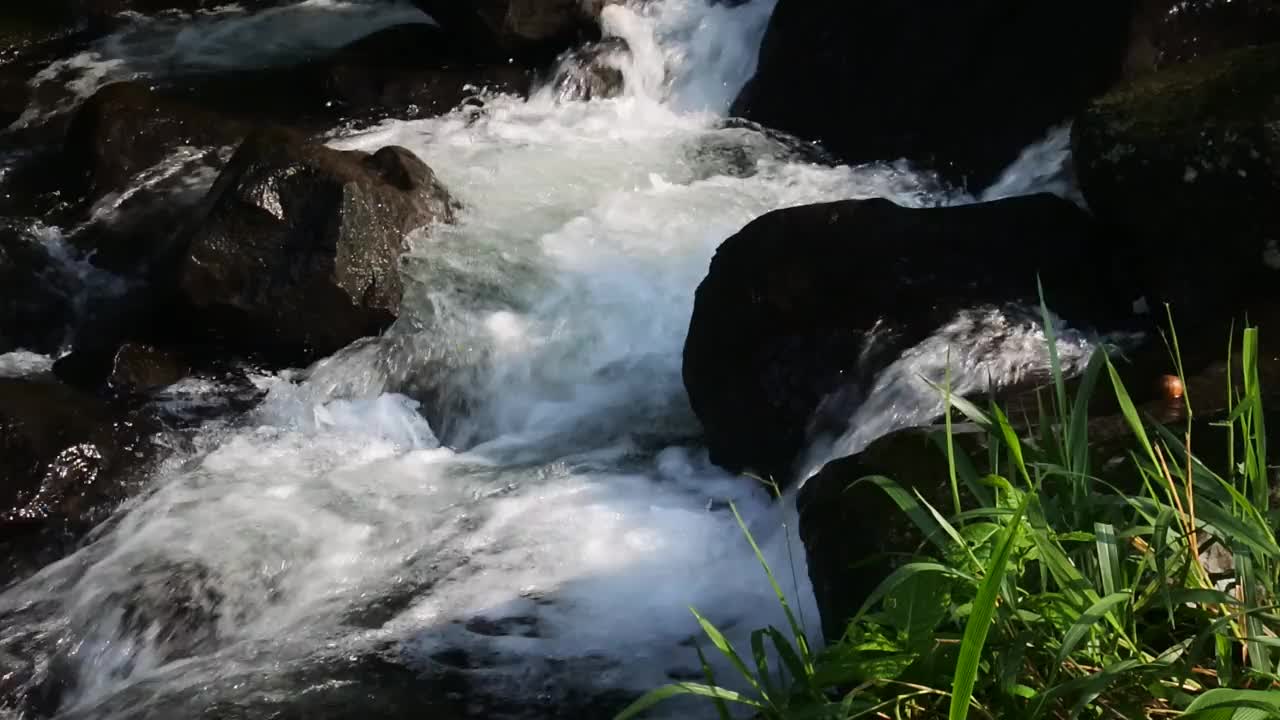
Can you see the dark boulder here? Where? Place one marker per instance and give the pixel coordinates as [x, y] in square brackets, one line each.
[405, 71]
[961, 87]
[533, 32]
[138, 368]
[591, 72]
[807, 301]
[1170, 32]
[853, 533]
[1189, 156]
[126, 128]
[414, 71]
[66, 460]
[298, 253]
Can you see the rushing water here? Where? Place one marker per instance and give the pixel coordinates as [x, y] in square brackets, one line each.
[549, 535]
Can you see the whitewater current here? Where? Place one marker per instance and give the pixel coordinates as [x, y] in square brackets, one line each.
[548, 531]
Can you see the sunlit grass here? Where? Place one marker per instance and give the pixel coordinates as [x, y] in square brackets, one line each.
[1047, 591]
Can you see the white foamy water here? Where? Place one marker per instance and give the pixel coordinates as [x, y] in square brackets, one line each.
[549, 534]
[21, 363]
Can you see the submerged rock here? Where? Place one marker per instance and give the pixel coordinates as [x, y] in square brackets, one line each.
[811, 300]
[959, 87]
[298, 253]
[1187, 163]
[592, 72]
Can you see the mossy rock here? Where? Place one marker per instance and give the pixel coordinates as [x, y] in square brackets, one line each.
[1189, 157]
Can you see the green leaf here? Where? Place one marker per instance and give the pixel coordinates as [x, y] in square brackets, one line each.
[905, 574]
[1055, 363]
[667, 692]
[1227, 704]
[1012, 443]
[761, 657]
[1108, 557]
[918, 605]
[1078, 430]
[1086, 622]
[1201, 596]
[802, 641]
[1130, 413]
[726, 648]
[979, 624]
[790, 658]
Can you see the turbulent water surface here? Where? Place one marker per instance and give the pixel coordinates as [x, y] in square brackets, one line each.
[546, 533]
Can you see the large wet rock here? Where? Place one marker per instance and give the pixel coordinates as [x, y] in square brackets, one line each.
[1187, 163]
[126, 128]
[66, 460]
[811, 300]
[532, 31]
[1170, 32]
[961, 87]
[298, 253]
[405, 71]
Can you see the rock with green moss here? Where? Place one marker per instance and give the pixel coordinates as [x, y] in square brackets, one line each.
[1187, 162]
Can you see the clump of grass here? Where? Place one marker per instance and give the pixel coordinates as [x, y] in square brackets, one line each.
[1049, 592]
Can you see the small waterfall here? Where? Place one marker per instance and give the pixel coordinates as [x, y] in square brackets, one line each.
[508, 484]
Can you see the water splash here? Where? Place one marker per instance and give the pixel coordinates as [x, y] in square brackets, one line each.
[552, 523]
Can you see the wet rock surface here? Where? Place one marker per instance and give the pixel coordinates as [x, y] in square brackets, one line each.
[66, 460]
[1189, 158]
[532, 31]
[298, 252]
[591, 72]
[931, 82]
[1171, 32]
[810, 300]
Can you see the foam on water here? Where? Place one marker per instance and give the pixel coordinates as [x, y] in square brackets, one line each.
[554, 526]
[21, 363]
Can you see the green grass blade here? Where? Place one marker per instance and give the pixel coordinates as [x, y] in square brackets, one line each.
[761, 657]
[796, 629]
[666, 692]
[790, 658]
[979, 624]
[1055, 362]
[726, 648]
[708, 674]
[1130, 413]
[951, 446]
[915, 510]
[965, 406]
[1108, 557]
[904, 574]
[1228, 704]
[1078, 428]
[1086, 622]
